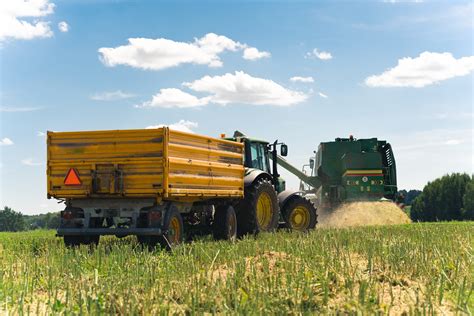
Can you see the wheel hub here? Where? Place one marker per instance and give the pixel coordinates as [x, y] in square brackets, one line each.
[264, 210]
[299, 218]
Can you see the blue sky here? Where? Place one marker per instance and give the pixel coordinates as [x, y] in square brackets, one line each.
[400, 71]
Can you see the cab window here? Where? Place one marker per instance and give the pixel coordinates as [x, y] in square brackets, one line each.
[259, 156]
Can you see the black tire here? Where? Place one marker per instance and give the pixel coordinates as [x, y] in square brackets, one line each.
[93, 240]
[144, 241]
[224, 226]
[72, 241]
[173, 230]
[299, 214]
[77, 240]
[248, 221]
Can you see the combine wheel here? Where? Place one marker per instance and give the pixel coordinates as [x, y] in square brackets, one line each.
[225, 223]
[258, 211]
[300, 214]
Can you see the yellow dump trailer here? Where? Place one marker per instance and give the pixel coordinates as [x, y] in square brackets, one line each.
[156, 163]
[146, 182]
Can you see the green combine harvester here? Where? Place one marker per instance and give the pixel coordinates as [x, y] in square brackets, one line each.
[348, 170]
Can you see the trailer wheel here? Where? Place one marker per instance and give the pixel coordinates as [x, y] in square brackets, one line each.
[72, 241]
[258, 211]
[225, 223]
[299, 214]
[173, 229]
[93, 240]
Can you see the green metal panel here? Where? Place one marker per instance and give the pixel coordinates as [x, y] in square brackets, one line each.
[361, 160]
[355, 170]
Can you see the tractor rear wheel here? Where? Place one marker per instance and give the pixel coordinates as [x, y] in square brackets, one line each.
[300, 214]
[224, 226]
[258, 211]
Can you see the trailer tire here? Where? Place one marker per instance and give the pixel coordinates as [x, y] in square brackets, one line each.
[173, 229]
[259, 210]
[93, 240]
[72, 241]
[224, 226]
[299, 214]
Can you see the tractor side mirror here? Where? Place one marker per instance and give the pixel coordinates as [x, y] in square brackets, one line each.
[284, 150]
[311, 163]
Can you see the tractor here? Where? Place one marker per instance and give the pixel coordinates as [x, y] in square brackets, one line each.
[265, 192]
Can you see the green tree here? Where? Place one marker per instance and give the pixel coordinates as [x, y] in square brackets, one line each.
[11, 221]
[468, 201]
[43, 221]
[442, 199]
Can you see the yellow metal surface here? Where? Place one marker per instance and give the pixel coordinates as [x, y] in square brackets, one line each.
[363, 172]
[158, 163]
[299, 218]
[264, 210]
[174, 232]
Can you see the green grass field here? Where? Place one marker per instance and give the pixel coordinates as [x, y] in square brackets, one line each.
[415, 268]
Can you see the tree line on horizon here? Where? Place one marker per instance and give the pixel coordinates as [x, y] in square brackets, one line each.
[448, 198]
[13, 221]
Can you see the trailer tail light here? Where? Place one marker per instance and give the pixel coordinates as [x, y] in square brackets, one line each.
[67, 215]
[72, 178]
[154, 217]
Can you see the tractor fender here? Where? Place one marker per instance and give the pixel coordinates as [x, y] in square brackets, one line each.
[255, 174]
[285, 196]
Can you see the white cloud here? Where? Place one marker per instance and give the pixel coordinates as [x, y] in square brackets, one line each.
[437, 138]
[452, 116]
[30, 162]
[6, 142]
[40, 134]
[174, 98]
[162, 53]
[449, 150]
[322, 95]
[182, 125]
[16, 109]
[251, 53]
[302, 79]
[63, 26]
[426, 69]
[111, 96]
[317, 54]
[454, 142]
[20, 19]
[243, 88]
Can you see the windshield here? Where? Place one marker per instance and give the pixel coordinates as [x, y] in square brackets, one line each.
[258, 156]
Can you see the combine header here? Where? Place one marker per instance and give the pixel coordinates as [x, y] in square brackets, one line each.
[348, 170]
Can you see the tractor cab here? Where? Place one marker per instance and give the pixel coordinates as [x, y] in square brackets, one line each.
[261, 155]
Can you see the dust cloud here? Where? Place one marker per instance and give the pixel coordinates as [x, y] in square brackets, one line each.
[363, 214]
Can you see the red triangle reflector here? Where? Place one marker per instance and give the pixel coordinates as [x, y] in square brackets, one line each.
[72, 178]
